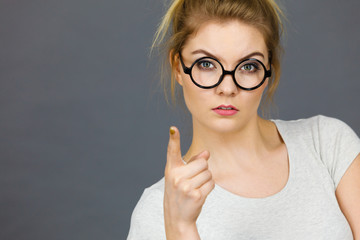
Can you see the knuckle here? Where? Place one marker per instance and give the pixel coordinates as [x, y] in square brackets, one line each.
[172, 176]
[186, 189]
[177, 181]
[196, 195]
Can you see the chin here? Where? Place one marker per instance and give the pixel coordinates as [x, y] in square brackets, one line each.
[225, 126]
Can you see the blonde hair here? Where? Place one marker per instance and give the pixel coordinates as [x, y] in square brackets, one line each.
[186, 16]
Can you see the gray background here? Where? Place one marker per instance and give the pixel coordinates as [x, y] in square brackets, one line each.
[83, 124]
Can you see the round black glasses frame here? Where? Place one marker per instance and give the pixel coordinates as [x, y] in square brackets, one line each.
[187, 70]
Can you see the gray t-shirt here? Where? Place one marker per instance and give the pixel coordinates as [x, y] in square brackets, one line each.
[320, 151]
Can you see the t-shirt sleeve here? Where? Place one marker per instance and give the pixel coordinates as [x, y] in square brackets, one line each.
[147, 218]
[339, 146]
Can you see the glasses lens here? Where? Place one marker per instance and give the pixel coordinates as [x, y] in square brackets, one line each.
[249, 73]
[206, 72]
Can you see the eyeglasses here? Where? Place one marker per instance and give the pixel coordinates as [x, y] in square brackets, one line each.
[208, 72]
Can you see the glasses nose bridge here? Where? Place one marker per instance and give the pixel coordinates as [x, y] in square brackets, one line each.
[232, 73]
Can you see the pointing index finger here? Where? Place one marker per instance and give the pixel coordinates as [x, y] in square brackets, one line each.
[174, 150]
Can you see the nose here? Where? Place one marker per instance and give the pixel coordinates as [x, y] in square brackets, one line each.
[227, 86]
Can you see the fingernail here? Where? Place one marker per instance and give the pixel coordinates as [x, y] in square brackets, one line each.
[172, 131]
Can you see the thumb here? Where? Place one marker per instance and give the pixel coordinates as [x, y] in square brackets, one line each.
[204, 154]
[174, 157]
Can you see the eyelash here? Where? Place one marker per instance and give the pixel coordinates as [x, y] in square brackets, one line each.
[254, 65]
[199, 64]
[213, 66]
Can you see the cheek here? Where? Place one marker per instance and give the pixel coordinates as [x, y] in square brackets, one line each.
[195, 97]
[251, 99]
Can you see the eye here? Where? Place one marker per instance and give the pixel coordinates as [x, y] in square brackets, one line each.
[250, 67]
[205, 65]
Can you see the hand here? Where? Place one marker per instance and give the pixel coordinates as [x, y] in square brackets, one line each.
[186, 186]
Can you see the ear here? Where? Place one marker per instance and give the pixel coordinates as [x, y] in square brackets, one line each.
[175, 67]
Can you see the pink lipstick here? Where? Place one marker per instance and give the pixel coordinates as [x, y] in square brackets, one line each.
[223, 110]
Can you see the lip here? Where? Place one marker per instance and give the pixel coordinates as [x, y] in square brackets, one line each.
[225, 112]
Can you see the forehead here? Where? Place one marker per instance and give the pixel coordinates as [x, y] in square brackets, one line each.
[227, 40]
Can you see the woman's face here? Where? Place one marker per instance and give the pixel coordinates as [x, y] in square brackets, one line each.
[229, 42]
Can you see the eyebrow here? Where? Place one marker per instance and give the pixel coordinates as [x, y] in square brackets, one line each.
[213, 56]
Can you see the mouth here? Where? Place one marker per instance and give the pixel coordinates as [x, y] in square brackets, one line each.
[228, 107]
[223, 110]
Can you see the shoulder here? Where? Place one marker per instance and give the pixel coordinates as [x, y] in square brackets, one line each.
[309, 122]
[157, 187]
[147, 217]
[313, 126]
[326, 135]
[328, 139]
[151, 199]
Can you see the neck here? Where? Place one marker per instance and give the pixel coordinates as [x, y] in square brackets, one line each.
[230, 150]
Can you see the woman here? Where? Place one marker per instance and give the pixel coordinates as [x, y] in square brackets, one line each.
[245, 177]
